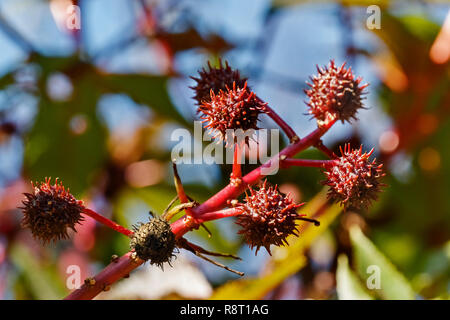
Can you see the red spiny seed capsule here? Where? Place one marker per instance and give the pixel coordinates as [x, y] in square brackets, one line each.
[354, 180]
[215, 79]
[154, 241]
[50, 211]
[268, 217]
[235, 108]
[335, 94]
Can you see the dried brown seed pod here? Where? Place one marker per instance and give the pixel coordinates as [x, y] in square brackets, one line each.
[51, 211]
[215, 79]
[154, 241]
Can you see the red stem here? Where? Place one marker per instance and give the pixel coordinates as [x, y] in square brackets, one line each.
[186, 224]
[206, 210]
[107, 222]
[237, 171]
[307, 163]
[281, 123]
[113, 272]
[219, 200]
[320, 146]
[224, 213]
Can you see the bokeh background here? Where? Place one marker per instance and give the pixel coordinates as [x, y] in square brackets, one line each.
[96, 107]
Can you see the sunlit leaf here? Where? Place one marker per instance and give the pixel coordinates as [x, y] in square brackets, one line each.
[144, 89]
[42, 282]
[393, 285]
[67, 140]
[348, 285]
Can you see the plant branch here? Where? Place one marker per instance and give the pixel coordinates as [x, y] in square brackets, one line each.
[115, 271]
[204, 212]
[230, 192]
[320, 146]
[236, 174]
[293, 137]
[306, 163]
[111, 224]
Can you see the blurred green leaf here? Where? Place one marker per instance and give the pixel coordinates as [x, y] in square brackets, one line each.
[408, 46]
[42, 282]
[6, 80]
[145, 89]
[285, 261]
[393, 284]
[67, 140]
[191, 38]
[348, 285]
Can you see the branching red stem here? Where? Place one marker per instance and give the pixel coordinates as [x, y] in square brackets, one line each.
[205, 212]
[219, 200]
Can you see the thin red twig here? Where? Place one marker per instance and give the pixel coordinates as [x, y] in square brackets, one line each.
[306, 163]
[320, 146]
[115, 271]
[281, 123]
[107, 222]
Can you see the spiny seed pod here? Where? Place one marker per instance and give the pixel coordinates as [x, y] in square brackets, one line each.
[215, 79]
[153, 241]
[236, 108]
[354, 180]
[334, 94]
[268, 217]
[50, 211]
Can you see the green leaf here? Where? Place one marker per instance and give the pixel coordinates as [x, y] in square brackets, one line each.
[53, 149]
[348, 285]
[145, 89]
[393, 285]
[410, 47]
[42, 282]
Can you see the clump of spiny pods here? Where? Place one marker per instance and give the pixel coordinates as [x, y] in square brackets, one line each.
[353, 179]
[334, 94]
[216, 79]
[268, 217]
[51, 211]
[231, 109]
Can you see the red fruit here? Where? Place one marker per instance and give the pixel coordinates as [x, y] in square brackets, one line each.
[354, 180]
[268, 217]
[236, 108]
[51, 211]
[216, 79]
[334, 94]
